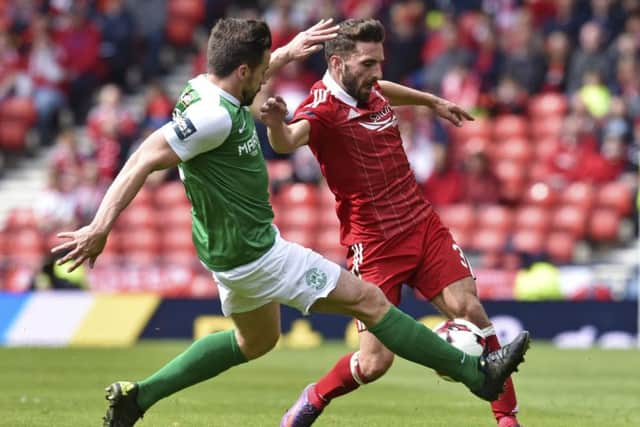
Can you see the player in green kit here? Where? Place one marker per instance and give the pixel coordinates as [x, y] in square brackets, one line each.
[213, 142]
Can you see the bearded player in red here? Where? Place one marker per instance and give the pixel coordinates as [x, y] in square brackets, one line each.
[392, 232]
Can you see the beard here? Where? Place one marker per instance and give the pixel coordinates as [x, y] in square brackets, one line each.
[247, 96]
[359, 92]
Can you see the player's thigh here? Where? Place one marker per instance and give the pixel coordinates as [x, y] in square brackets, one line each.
[354, 297]
[460, 300]
[258, 330]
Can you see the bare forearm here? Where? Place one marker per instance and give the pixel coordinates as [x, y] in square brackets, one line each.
[281, 138]
[403, 95]
[123, 189]
[279, 58]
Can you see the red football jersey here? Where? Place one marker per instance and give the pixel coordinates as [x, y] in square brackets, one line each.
[360, 152]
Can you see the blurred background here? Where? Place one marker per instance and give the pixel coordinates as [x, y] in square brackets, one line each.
[541, 190]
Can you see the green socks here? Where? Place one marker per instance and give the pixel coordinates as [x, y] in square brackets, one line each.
[413, 341]
[206, 358]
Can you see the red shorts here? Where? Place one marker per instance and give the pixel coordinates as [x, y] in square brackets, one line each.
[425, 258]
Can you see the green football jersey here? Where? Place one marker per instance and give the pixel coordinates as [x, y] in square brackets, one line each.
[224, 174]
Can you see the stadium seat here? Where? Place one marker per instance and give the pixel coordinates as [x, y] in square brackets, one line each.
[137, 216]
[528, 241]
[560, 246]
[488, 240]
[460, 216]
[509, 126]
[540, 193]
[18, 109]
[570, 218]
[170, 194]
[177, 217]
[327, 217]
[546, 148]
[461, 237]
[545, 105]
[550, 127]
[580, 194]
[140, 240]
[479, 128]
[175, 240]
[13, 136]
[532, 217]
[326, 197]
[298, 194]
[279, 170]
[28, 240]
[513, 177]
[304, 237]
[301, 217]
[496, 217]
[539, 171]
[328, 241]
[604, 224]
[21, 219]
[193, 10]
[145, 197]
[514, 149]
[617, 195]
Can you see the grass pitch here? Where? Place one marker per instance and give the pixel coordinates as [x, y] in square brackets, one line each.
[556, 388]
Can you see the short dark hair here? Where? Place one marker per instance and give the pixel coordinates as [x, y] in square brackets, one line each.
[352, 31]
[234, 42]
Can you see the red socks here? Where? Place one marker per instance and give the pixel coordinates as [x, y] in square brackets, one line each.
[338, 381]
[506, 403]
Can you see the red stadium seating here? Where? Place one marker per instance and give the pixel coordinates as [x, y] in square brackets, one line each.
[145, 240]
[549, 127]
[604, 224]
[171, 194]
[514, 149]
[176, 240]
[616, 195]
[479, 128]
[298, 194]
[570, 218]
[488, 240]
[326, 197]
[300, 217]
[137, 216]
[546, 148]
[510, 126]
[279, 170]
[21, 218]
[460, 217]
[194, 10]
[461, 237]
[496, 217]
[529, 241]
[176, 218]
[560, 246]
[580, 194]
[302, 236]
[532, 217]
[18, 109]
[547, 104]
[540, 193]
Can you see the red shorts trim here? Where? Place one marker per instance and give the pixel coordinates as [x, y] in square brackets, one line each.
[425, 258]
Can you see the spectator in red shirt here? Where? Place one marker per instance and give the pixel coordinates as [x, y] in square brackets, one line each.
[481, 186]
[445, 185]
[80, 40]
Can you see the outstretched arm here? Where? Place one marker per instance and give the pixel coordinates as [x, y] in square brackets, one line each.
[88, 242]
[282, 137]
[302, 45]
[403, 95]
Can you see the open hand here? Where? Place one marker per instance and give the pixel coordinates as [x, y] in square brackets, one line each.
[310, 41]
[82, 244]
[273, 111]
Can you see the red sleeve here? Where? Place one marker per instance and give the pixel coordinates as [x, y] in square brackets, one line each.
[314, 109]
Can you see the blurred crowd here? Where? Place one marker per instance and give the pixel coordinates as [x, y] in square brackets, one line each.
[554, 86]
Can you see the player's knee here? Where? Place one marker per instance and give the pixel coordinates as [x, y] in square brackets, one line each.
[256, 346]
[371, 303]
[375, 365]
